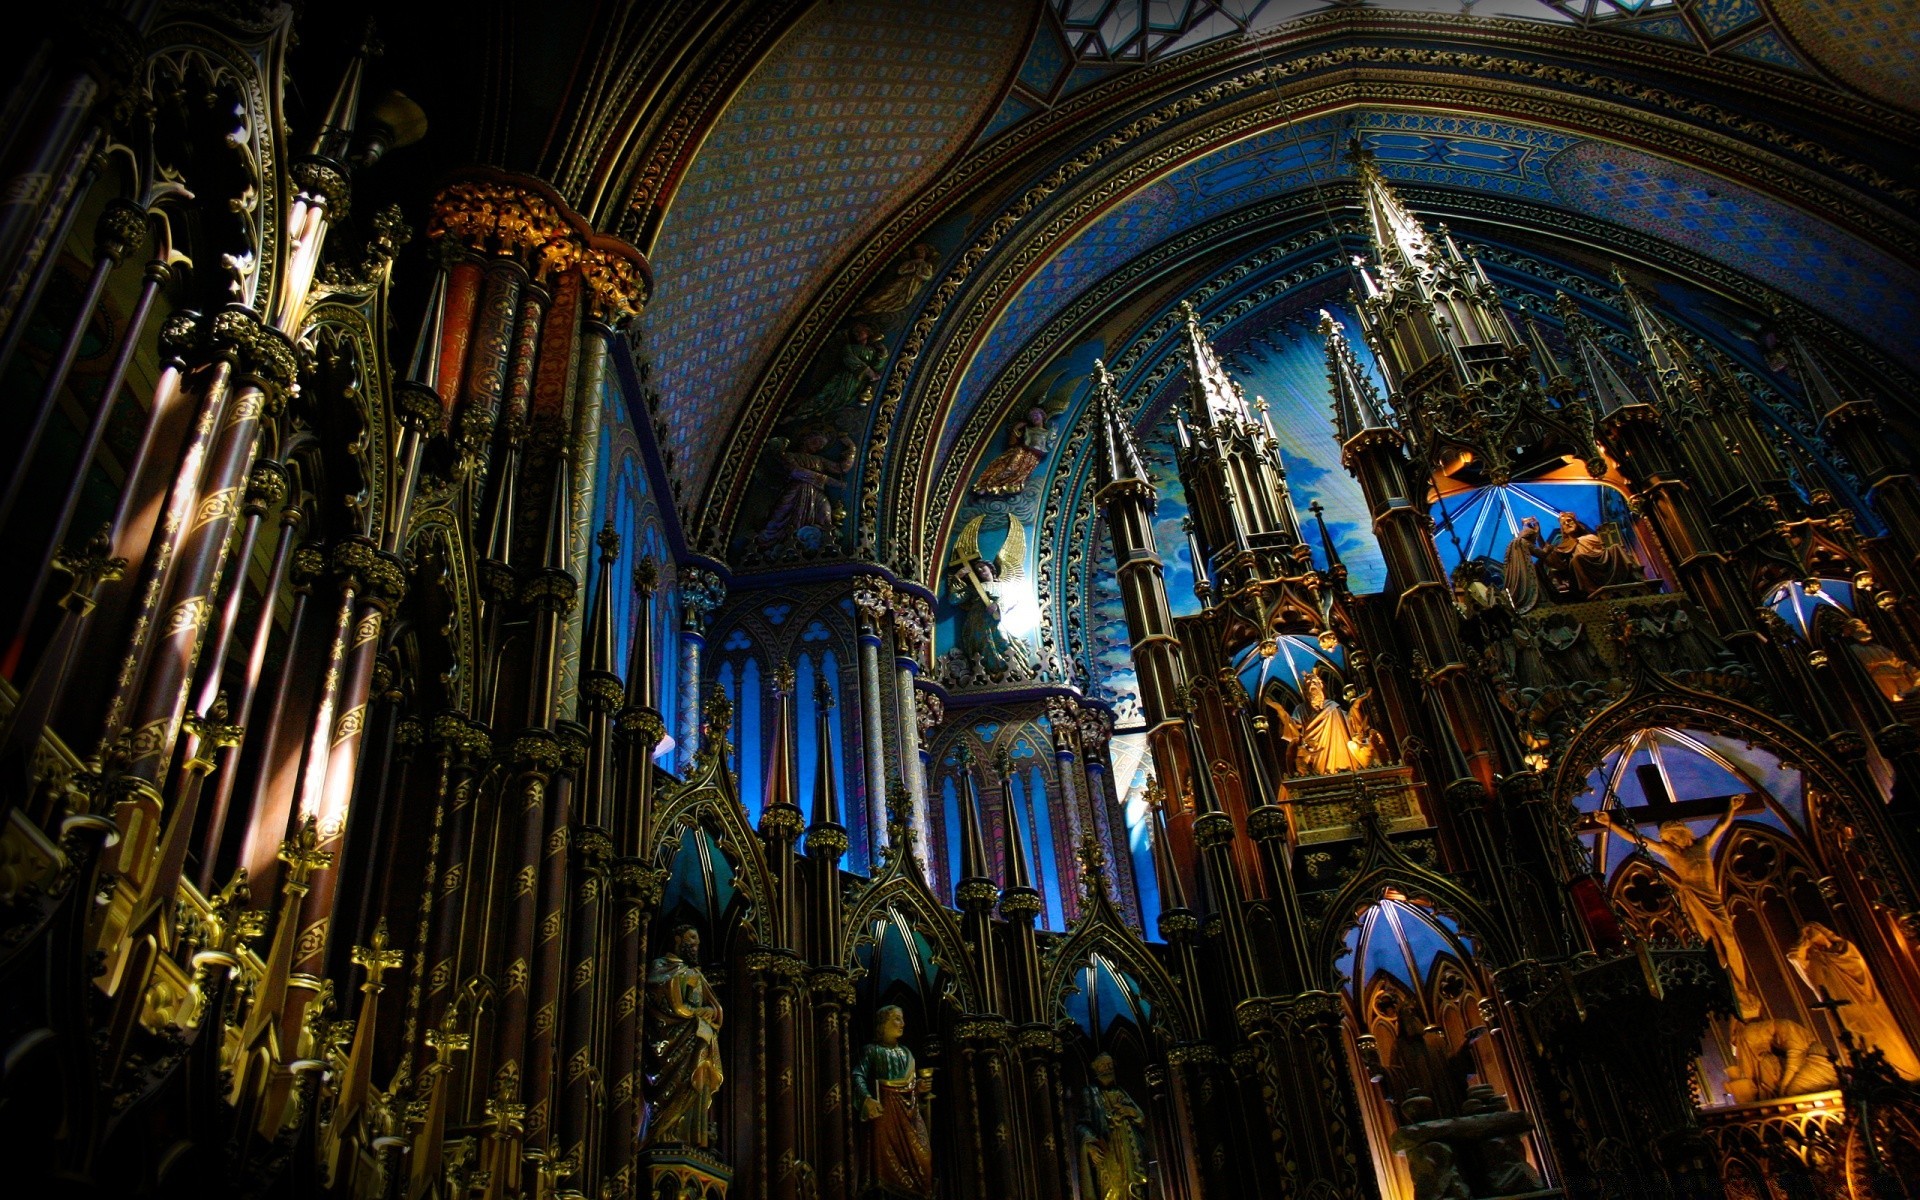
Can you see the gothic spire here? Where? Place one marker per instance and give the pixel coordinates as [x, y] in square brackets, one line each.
[1554, 376]
[826, 788]
[1399, 240]
[1608, 391]
[1213, 397]
[973, 843]
[1824, 388]
[1019, 876]
[333, 141]
[1119, 454]
[782, 786]
[1173, 893]
[423, 368]
[646, 576]
[1681, 379]
[600, 647]
[1356, 405]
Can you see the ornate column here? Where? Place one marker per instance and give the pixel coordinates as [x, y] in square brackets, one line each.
[371, 585]
[912, 630]
[638, 731]
[701, 595]
[254, 366]
[637, 888]
[1376, 456]
[464, 749]
[832, 995]
[269, 817]
[228, 773]
[872, 600]
[1063, 718]
[537, 757]
[121, 232]
[1110, 823]
[544, 1078]
[584, 462]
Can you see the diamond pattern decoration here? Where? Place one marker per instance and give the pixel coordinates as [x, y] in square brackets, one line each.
[1767, 47]
[1673, 29]
[1801, 255]
[855, 108]
[1872, 44]
[1722, 17]
[1412, 147]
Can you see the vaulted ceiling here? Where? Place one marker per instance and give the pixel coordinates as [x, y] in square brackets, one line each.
[1071, 168]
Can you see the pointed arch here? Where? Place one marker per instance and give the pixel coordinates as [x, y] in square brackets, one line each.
[707, 800]
[1382, 867]
[898, 890]
[1100, 931]
[1857, 822]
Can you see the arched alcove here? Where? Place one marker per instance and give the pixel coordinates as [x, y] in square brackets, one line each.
[1702, 837]
[1426, 1042]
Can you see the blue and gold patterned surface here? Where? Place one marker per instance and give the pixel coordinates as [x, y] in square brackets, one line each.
[1429, 148]
[1873, 45]
[855, 109]
[1803, 256]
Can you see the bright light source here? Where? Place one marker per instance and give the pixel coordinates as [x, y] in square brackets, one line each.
[1019, 609]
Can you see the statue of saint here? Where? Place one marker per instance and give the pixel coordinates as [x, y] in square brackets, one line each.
[1833, 966]
[1576, 561]
[892, 1097]
[1113, 1139]
[892, 295]
[982, 588]
[683, 1046]
[1327, 737]
[803, 505]
[1518, 574]
[851, 383]
[1778, 1058]
[1696, 882]
[1894, 676]
[1027, 444]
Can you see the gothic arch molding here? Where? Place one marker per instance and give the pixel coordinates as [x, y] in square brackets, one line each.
[934, 335]
[1657, 701]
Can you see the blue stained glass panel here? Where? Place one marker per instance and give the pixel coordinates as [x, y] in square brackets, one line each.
[1046, 868]
[753, 742]
[950, 803]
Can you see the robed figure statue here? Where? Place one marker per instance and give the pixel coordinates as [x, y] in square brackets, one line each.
[683, 1069]
[891, 1095]
[1326, 736]
[1113, 1139]
[1576, 561]
[1696, 883]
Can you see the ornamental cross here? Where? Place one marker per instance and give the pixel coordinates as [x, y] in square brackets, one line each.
[379, 957]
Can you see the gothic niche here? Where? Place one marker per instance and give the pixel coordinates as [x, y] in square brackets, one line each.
[1122, 1117]
[1437, 1083]
[897, 1032]
[1315, 712]
[1701, 839]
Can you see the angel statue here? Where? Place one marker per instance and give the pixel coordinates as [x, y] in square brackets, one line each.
[1327, 736]
[1030, 439]
[850, 384]
[982, 588]
[804, 514]
[910, 274]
